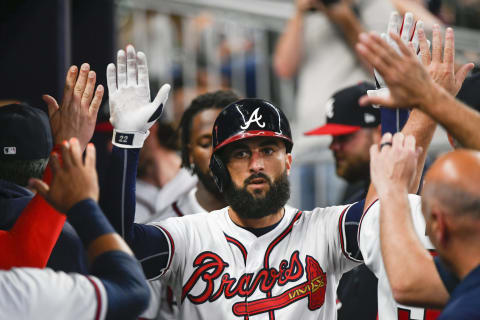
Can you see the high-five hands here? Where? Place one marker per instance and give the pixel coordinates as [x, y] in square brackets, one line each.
[408, 31]
[410, 84]
[131, 112]
[77, 114]
[73, 181]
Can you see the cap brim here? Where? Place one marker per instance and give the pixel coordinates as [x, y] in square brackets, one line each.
[332, 129]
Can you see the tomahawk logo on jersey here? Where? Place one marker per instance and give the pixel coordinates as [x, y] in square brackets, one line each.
[218, 268]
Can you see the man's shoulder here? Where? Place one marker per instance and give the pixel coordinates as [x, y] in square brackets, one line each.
[328, 209]
[464, 301]
[195, 220]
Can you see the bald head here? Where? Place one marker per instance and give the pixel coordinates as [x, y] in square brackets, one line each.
[453, 182]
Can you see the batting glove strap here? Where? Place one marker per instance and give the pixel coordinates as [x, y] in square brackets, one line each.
[129, 139]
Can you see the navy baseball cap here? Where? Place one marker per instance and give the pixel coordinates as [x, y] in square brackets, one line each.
[344, 114]
[25, 133]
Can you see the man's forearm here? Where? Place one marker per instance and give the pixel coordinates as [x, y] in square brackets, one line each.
[289, 49]
[410, 268]
[30, 241]
[459, 120]
[343, 16]
[94, 229]
[118, 199]
[422, 127]
[396, 235]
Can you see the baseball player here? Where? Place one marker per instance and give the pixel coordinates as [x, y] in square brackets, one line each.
[369, 226]
[196, 149]
[256, 258]
[116, 289]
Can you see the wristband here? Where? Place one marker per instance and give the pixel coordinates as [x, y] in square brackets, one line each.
[129, 139]
[89, 221]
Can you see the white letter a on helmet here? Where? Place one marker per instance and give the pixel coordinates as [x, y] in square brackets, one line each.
[254, 118]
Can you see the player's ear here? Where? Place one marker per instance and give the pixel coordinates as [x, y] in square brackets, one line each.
[438, 227]
[288, 162]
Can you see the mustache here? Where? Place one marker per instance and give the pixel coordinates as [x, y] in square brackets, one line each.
[257, 176]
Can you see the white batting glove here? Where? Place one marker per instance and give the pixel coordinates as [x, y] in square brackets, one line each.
[408, 32]
[131, 112]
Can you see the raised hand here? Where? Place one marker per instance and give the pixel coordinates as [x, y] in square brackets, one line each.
[410, 83]
[131, 112]
[77, 114]
[393, 163]
[73, 181]
[407, 29]
[442, 70]
[407, 79]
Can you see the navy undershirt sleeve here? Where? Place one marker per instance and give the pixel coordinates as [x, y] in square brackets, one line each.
[148, 242]
[353, 215]
[88, 220]
[127, 290]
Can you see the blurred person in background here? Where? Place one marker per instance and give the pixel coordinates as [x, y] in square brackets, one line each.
[426, 10]
[317, 46]
[353, 129]
[196, 128]
[161, 180]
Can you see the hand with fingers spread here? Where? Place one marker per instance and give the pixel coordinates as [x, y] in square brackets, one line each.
[411, 84]
[442, 70]
[131, 112]
[77, 114]
[407, 79]
[72, 182]
[407, 29]
[393, 163]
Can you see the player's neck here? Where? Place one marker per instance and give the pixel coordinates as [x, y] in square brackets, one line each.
[256, 222]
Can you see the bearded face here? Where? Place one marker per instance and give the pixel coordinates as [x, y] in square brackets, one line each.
[254, 205]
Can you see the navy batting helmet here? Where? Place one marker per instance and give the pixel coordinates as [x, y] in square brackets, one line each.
[244, 119]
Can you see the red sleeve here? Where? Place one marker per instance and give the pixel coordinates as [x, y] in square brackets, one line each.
[30, 242]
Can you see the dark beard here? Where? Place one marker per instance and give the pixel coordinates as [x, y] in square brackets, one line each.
[207, 180]
[249, 207]
[355, 170]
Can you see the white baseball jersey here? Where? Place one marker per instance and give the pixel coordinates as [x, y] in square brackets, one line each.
[219, 270]
[186, 204]
[28, 293]
[151, 202]
[369, 242]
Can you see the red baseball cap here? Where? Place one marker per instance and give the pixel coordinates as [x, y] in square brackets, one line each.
[344, 114]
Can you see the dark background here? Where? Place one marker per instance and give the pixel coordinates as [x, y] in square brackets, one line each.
[41, 39]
